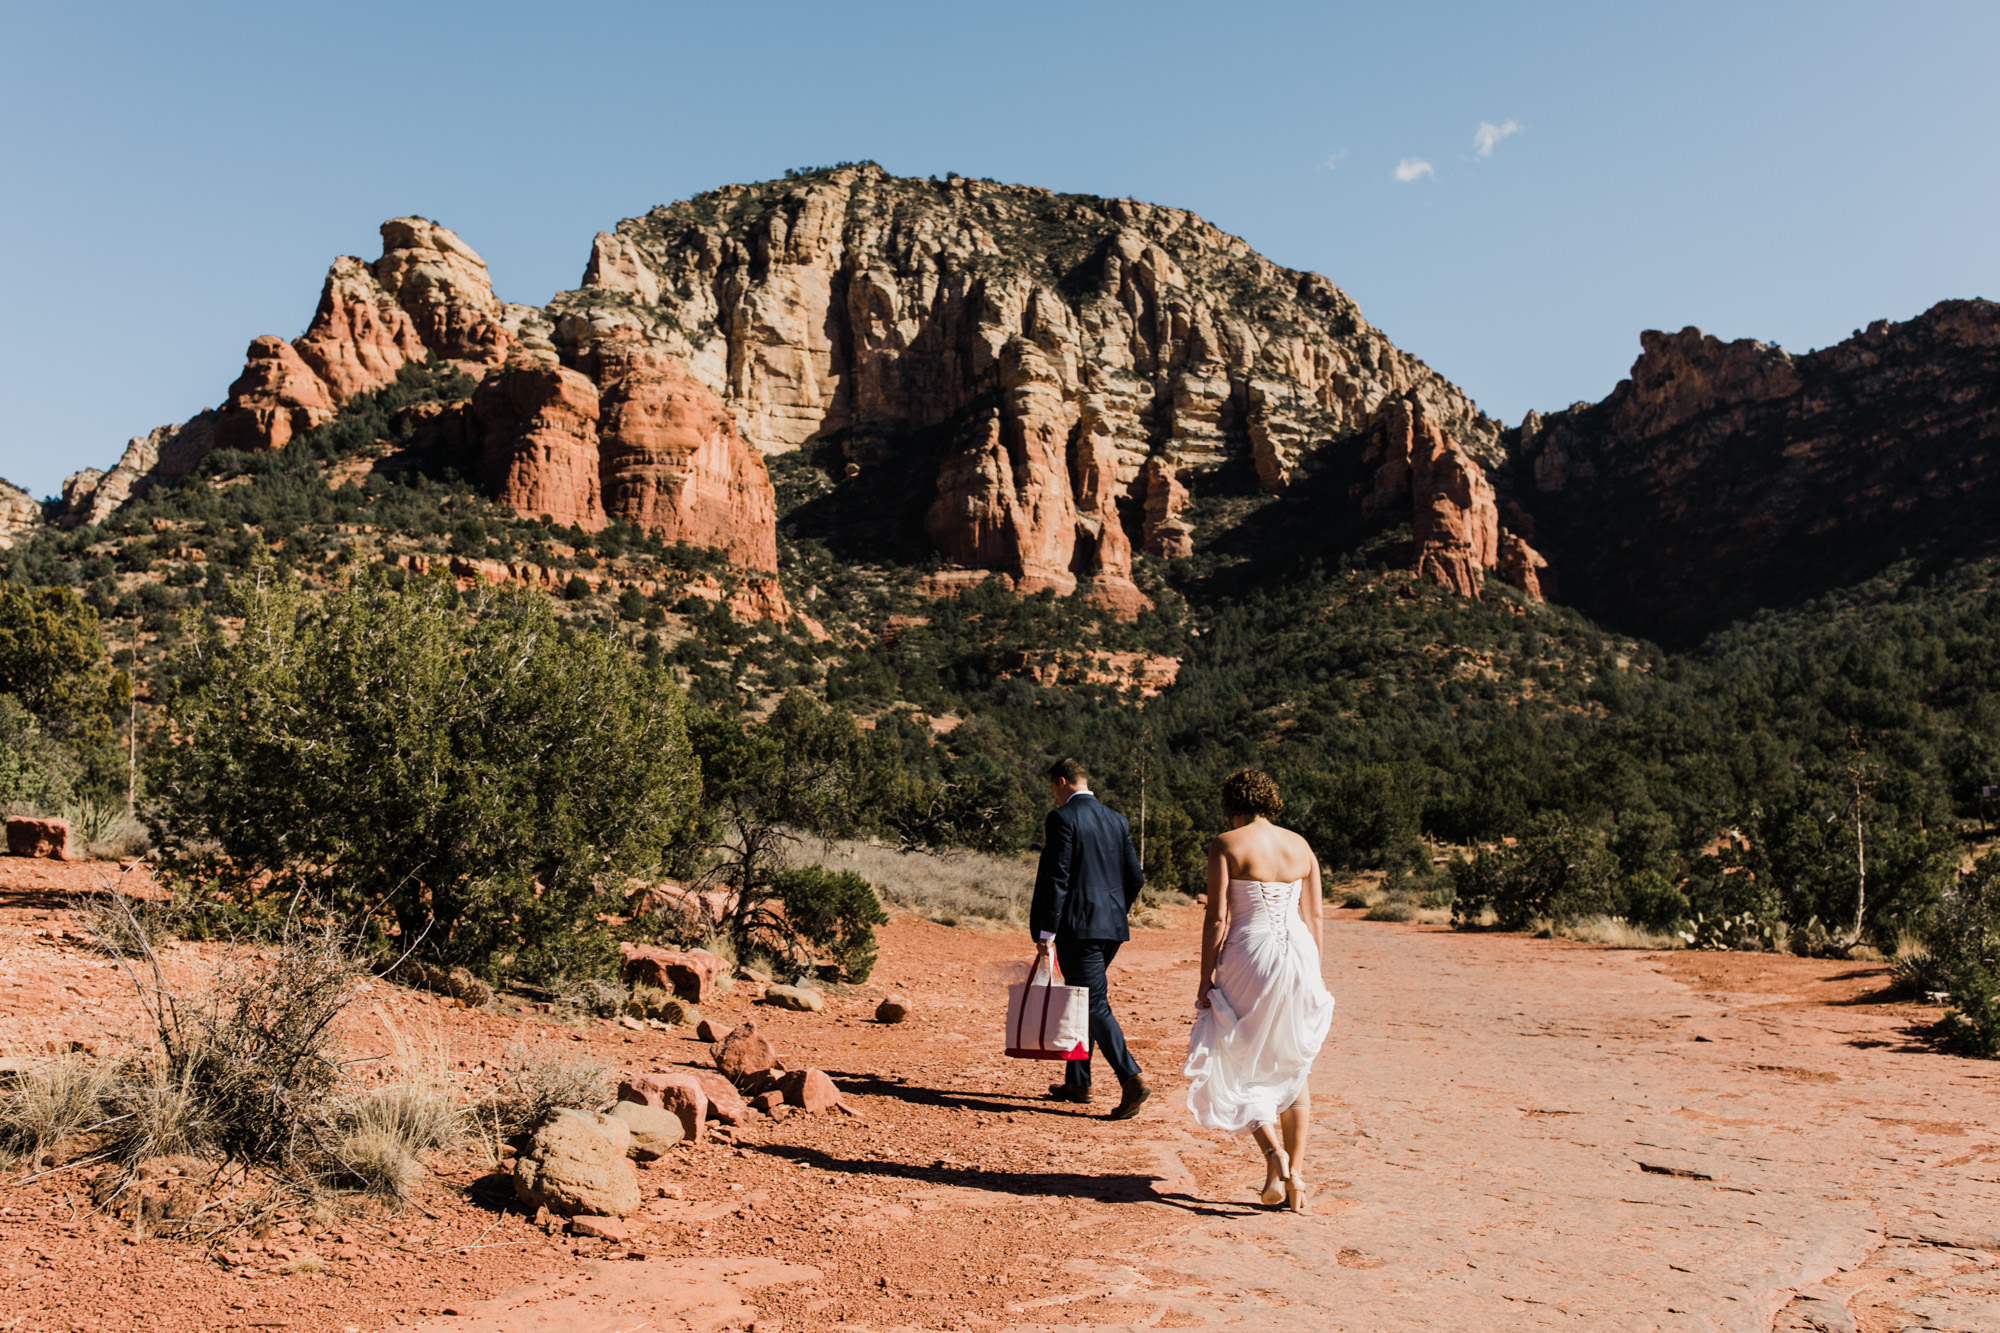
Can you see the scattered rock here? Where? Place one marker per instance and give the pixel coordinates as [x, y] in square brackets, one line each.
[745, 1054]
[604, 1228]
[755, 974]
[802, 999]
[710, 1031]
[575, 1164]
[893, 1009]
[46, 838]
[768, 1102]
[635, 1024]
[725, 1103]
[682, 1095]
[654, 1129]
[809, 1090]
[690, 974]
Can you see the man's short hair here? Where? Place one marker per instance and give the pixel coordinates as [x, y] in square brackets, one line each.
[1071, 771]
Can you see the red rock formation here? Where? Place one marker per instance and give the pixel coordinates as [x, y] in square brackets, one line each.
[1454, 518]
[359, 337]
[1168, 534]
[1004, 504]
[20, 513]
[276, 398]
[442, 284]
[1521, 565]
[541, 443]
[1103, 551]
[671, 461]
[1725, 477]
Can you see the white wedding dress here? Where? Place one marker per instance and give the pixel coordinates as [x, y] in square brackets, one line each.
[1252, 1049]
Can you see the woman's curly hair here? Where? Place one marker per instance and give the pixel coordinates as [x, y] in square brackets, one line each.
[1252, 792]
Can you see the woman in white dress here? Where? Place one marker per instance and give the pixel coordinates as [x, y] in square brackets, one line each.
[1262, 1010]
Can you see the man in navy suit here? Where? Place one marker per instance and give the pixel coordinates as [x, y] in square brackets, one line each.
[1087, 882]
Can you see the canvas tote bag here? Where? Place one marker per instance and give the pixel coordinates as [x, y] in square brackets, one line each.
[1047, 1020]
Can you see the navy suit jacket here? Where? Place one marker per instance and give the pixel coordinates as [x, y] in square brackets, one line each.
[1089, 875]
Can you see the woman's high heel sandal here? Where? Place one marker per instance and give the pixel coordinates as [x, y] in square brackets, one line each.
[1297, 1196]
[1273, 1192]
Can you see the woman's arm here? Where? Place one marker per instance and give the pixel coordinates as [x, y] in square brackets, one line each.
[1212, 927]
[1309, 903]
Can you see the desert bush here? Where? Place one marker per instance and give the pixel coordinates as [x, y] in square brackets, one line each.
[56, 1099]
[538, 1078]
[460, 762]
[578, 998]
[1560, 870]
[248, 1067]
[1395, 909]
[124, 926]
[1963, 941]
[952, 889]
[1617, 932]
[836, 911]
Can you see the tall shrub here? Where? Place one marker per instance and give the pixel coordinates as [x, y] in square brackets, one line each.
[458, 762]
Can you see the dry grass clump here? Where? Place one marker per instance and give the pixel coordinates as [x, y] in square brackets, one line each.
[537, 1078]
[55, 1100]
[1616, 932]
[1392, 910]
[959, 889]
[587, 997]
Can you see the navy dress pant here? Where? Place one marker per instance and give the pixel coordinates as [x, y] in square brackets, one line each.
[1083, 963]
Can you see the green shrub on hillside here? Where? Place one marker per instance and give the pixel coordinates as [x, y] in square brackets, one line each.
[456, 762]
[1964, 945]
[836, 911]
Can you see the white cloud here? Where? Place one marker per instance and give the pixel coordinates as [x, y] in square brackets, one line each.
[1412, 167]
[1489, 135]
[1333, 159]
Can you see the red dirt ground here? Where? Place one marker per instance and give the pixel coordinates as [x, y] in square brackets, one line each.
[1491, 1111]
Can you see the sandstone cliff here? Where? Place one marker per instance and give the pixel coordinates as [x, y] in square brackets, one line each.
[1421, 473]
[1095, 355]
[20, 513]
[1725, 477]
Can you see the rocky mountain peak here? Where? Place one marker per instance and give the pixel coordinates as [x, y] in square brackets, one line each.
[1098, 353]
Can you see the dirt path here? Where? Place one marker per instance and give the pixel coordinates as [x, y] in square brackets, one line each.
[1514, 1134]
[1525, 1134]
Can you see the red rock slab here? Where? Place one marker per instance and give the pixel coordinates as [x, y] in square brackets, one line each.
[690, 973]
[621, 1295]
[725, 1103]
[682, 1094]
[45, 838]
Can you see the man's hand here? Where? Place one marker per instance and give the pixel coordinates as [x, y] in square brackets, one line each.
[1042, 950]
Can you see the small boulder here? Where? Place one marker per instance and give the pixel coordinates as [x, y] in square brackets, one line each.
[755, 974]
[810, 1090]
[654, 1129]
[690, 974]
[710, 1031]
[745, 1054]
[46, 838]
[725, 1103]
[575, 1164]
[681, 1095]
[768, 1102]
[603, 1228]
[893, 1009]
[802, 999]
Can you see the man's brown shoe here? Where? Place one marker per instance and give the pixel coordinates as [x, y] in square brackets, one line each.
[1136, 1093]
[1063, 1092]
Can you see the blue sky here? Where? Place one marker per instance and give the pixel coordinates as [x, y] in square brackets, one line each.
[178, 177]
